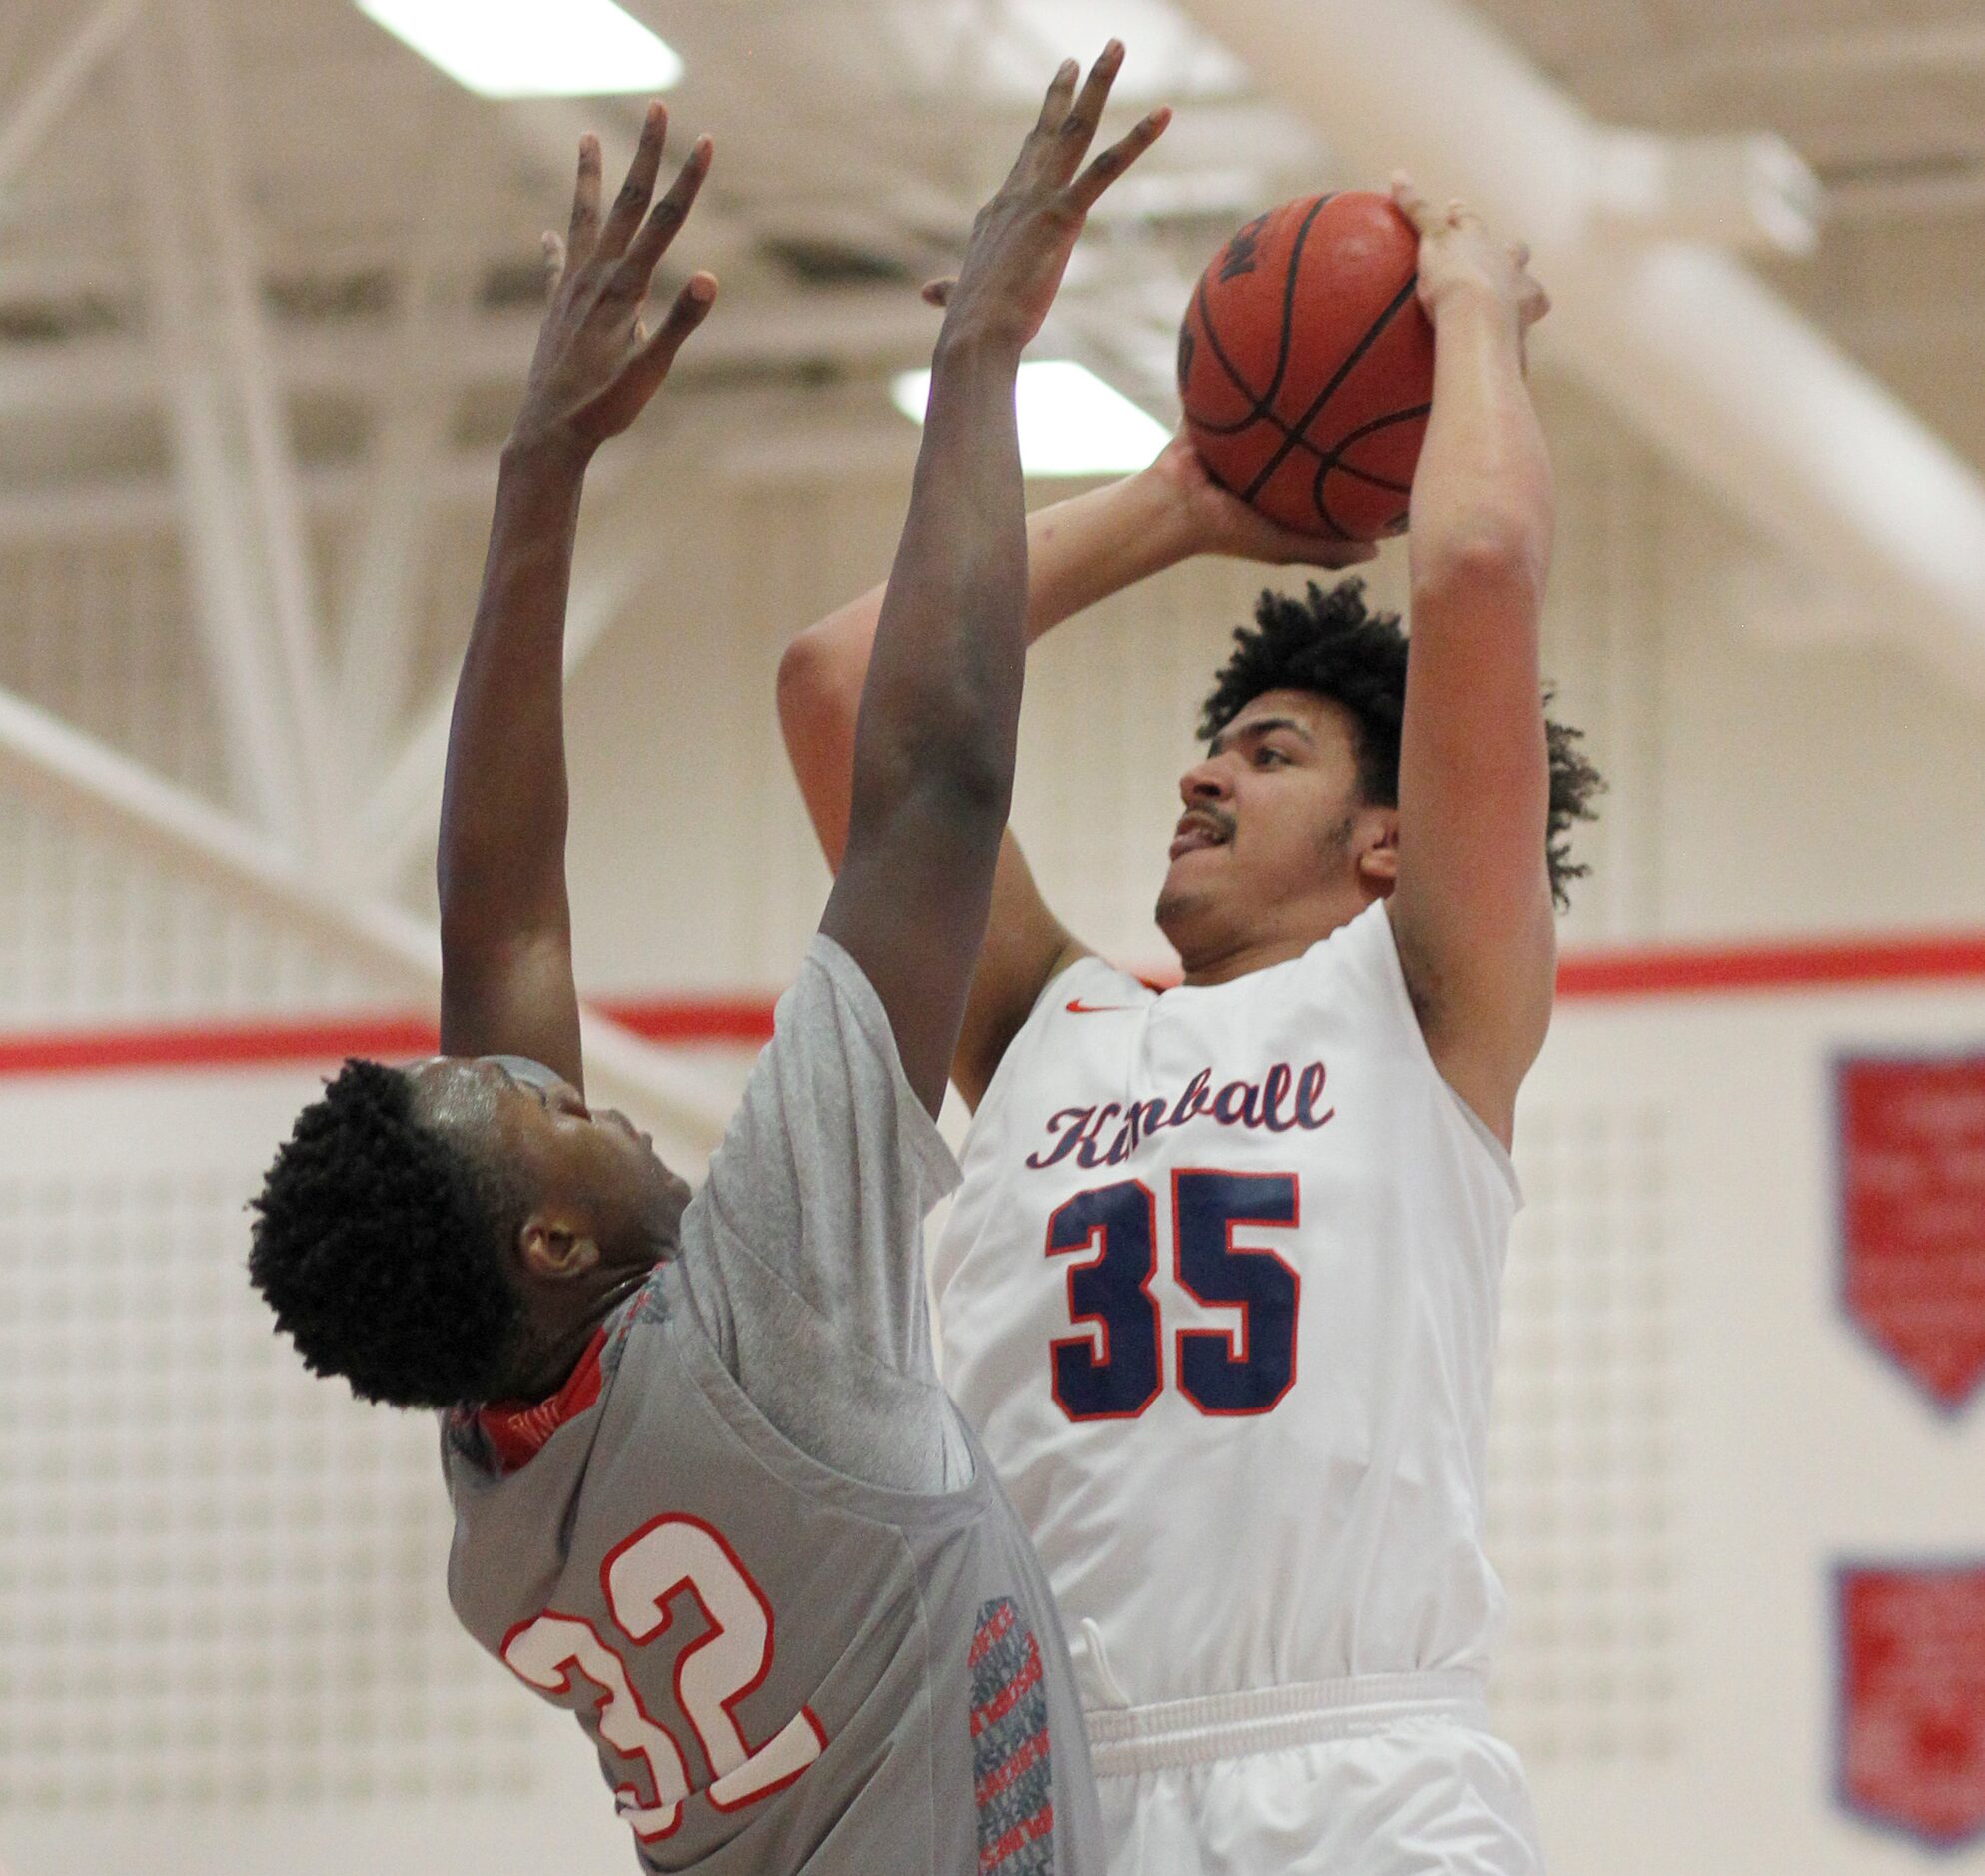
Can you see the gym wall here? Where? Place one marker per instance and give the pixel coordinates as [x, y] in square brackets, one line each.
[223, 1643]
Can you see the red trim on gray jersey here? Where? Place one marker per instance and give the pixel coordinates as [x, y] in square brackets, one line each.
[519, 1430]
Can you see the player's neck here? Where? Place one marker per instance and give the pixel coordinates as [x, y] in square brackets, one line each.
[1221, 967]
[1221, 957]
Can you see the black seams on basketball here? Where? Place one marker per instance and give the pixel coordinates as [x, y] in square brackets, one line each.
[1306, 365]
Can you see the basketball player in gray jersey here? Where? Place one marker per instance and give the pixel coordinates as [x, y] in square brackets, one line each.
[709, 1494]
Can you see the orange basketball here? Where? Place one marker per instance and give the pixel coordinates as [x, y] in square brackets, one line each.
[1306, 366]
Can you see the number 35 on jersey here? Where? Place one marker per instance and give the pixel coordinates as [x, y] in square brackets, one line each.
[1215, 1222]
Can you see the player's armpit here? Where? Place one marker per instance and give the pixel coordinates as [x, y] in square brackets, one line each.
[1026, 947]
[820, 679]
[1484, 1018]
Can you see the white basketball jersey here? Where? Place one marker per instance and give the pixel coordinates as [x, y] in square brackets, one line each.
[1220, 1294]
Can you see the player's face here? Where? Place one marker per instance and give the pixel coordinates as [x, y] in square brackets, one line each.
[1274, 847]
[593, 1176]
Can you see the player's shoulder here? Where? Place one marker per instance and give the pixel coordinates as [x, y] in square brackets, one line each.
[1089, 984]
[1079, 1001]
[1358, 959]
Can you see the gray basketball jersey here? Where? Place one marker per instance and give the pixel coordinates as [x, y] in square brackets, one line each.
[783, 1667]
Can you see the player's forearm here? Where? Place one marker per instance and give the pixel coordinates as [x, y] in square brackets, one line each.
[1079, 552]
[1482, 504]
[1473, 902]
[1479, 551]
[500, 866]
[940, 704]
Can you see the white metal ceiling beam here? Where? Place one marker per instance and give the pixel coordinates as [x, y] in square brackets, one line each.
[1684, 344]
[380, 633]
[229, 606]
[843, 325]
[93, 508]
[614, 563]
[1780, 59]
[270, 461]
[93, 786]
[47, 98]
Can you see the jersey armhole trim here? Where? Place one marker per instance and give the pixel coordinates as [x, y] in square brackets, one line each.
[1081, 956]
[1402, 998]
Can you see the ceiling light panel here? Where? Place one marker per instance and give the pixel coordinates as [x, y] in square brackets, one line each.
[531, 48]
[1071, 422]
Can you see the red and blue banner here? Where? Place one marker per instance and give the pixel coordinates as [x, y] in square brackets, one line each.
[1912, 1215]
[1911, 1719]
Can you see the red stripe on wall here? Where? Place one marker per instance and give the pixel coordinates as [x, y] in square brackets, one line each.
[1808, 964]
[231, 1044]
[1677, 970]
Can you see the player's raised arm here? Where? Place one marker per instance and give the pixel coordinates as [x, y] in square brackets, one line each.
[1471, 911]
[506, 968]
[932, 761]
[1079, 552]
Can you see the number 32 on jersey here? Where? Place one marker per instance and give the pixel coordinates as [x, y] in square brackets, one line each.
[669, 1558]
[1115, 1369]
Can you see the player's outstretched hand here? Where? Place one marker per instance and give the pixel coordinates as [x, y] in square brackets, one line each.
[596, 365]
[1457, 254]
[1023, 237]
[1222, 524]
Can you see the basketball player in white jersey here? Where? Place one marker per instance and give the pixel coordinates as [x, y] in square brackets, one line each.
[708, 1494]
[1219, 1289]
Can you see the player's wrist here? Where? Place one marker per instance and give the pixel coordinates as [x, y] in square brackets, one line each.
[1470, 296]
[1147, 516]
[539, 451]
[975, 340]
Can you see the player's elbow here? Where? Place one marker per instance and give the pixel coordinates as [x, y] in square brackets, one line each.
[965, 773]
[817, 687]
[948, 768]
[1499, 553]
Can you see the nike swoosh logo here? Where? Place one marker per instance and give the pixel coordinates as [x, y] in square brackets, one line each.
[1076, 1006]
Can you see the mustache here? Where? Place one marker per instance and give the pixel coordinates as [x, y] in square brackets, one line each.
[1217, 819]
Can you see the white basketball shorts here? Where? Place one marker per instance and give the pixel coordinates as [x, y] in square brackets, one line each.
[1388, 1775]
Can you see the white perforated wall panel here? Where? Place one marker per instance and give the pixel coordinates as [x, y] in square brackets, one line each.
[220, 1580]
[1582, 1452]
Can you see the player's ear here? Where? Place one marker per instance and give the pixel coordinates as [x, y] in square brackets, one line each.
[549, 1245]
[1375, 842]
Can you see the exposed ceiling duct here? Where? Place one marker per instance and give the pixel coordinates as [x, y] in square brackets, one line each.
[1676, 335]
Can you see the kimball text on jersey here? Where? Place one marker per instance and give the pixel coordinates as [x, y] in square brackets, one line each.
[1279, 1102]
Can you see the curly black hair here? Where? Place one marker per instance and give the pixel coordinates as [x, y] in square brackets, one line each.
[1329, 645]
[375, 1242]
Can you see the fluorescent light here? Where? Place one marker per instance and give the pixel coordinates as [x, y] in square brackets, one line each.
[531, 48]
[1071, 422]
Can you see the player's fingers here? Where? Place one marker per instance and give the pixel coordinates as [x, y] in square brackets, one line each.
[632, 201]
[1410, 203]
[1054, 107]
[650, 364]
[584, 229]
[938, 291]
[664, 222]
[1459, 214]
[1106, 168]
[1078, 128]
[554, 246]
[1519, 252]
[1294, 550]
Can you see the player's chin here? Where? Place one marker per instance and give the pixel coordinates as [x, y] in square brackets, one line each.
[1190, 869]
[673, 1192]
[1180, 900]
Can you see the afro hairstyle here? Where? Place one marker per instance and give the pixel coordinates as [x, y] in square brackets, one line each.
[375, 1242]
[1329, 645]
